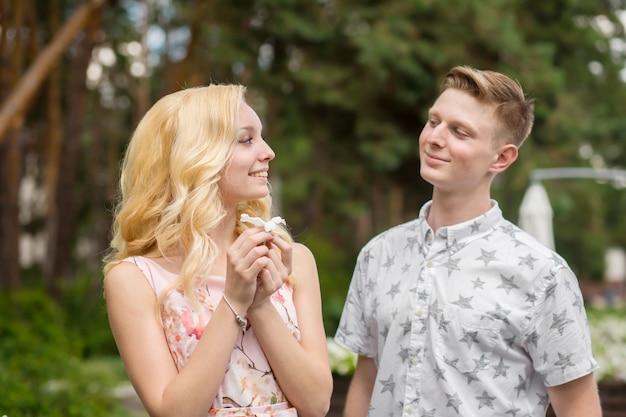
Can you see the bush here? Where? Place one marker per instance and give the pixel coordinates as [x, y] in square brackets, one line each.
[608, 337]
[40, 374]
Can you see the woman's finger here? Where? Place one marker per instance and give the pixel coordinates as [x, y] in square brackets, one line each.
[286, 252]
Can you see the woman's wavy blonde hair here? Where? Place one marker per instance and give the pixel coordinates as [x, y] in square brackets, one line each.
[169, 200]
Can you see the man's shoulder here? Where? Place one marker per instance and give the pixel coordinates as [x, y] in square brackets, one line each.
[522, 242]
[395, 234]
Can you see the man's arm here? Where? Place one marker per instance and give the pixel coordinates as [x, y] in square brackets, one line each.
[577, 398]
[361, 386]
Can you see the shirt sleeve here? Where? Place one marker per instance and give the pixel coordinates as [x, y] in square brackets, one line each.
[357, 326]
[558, 339]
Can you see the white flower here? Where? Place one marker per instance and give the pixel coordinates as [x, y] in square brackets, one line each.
[257, 221]
[342, 361]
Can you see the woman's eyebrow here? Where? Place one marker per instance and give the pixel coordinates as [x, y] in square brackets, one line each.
[250, 129]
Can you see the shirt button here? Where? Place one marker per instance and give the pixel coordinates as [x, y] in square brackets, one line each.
[420, 312]
[409, 410]
[415, 361]
[429, 264]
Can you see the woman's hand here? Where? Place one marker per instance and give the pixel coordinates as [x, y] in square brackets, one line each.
[276, 272]
[246, 259]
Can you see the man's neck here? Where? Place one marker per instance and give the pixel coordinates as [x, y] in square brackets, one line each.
[451, 209]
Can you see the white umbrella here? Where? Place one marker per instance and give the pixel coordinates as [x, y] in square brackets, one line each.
[535, 214]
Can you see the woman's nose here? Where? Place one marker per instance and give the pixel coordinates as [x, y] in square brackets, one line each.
[268, 153]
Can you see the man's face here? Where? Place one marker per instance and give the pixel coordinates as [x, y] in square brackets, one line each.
[456, 144]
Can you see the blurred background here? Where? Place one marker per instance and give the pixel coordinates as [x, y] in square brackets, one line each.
[343, 89]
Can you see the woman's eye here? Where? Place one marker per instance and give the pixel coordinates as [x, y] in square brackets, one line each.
[245, 140]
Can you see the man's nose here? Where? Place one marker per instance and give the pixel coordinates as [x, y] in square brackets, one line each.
[437, 135]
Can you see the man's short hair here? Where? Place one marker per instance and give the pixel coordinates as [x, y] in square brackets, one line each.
[513, 110]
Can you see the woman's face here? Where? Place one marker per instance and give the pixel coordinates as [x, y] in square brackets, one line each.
[245, 177]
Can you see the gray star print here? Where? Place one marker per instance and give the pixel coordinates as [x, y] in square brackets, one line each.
[487, 256]
[406, 326]
[507, 283]
[531, 298]
[384, 332]
[481, 363]
[532, 338]
[560, 321]
[471, 376]
[434, 309]
[564, 361]
[579, 303]
[452, 265]
[464, 302]
[521, 386]
[500, 369]
[478, 283]
[410, 242]
[440, 373]
[500, 313]
[450, 362]
[389, 263]
[388, 385]
[454, 401]
[528, 260]
[469, 338]
[394, 290]
[550, 290]
[443, 324]
[430, 413]
[485, 400]
[512, 410]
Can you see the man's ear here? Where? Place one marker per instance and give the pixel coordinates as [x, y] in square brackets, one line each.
[506, 155]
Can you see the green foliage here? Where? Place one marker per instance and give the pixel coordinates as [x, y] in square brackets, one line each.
[608, 336]
[86, 319]
[343, 89]
[39, 372]
[334, 272]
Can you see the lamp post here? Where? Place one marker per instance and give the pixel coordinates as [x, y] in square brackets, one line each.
[536, 213]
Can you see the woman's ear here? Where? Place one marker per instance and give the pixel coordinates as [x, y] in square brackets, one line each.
[506, 155]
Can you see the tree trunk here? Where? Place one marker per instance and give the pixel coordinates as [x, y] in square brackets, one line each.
[58, 264]
[11, 159]
[17, 103]
[53, 146]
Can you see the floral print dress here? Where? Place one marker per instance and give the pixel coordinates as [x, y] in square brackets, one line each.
[249, 387]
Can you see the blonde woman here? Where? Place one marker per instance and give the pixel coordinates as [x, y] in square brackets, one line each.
[212, 315]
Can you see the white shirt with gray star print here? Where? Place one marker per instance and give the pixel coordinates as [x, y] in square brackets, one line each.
[475, 320]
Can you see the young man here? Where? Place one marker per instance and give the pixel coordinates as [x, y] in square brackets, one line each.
[459, 312]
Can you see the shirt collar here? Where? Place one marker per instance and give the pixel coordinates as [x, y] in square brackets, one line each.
[460, 234]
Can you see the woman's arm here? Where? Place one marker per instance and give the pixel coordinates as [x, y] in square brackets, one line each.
[131, 307]
[301, 369]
